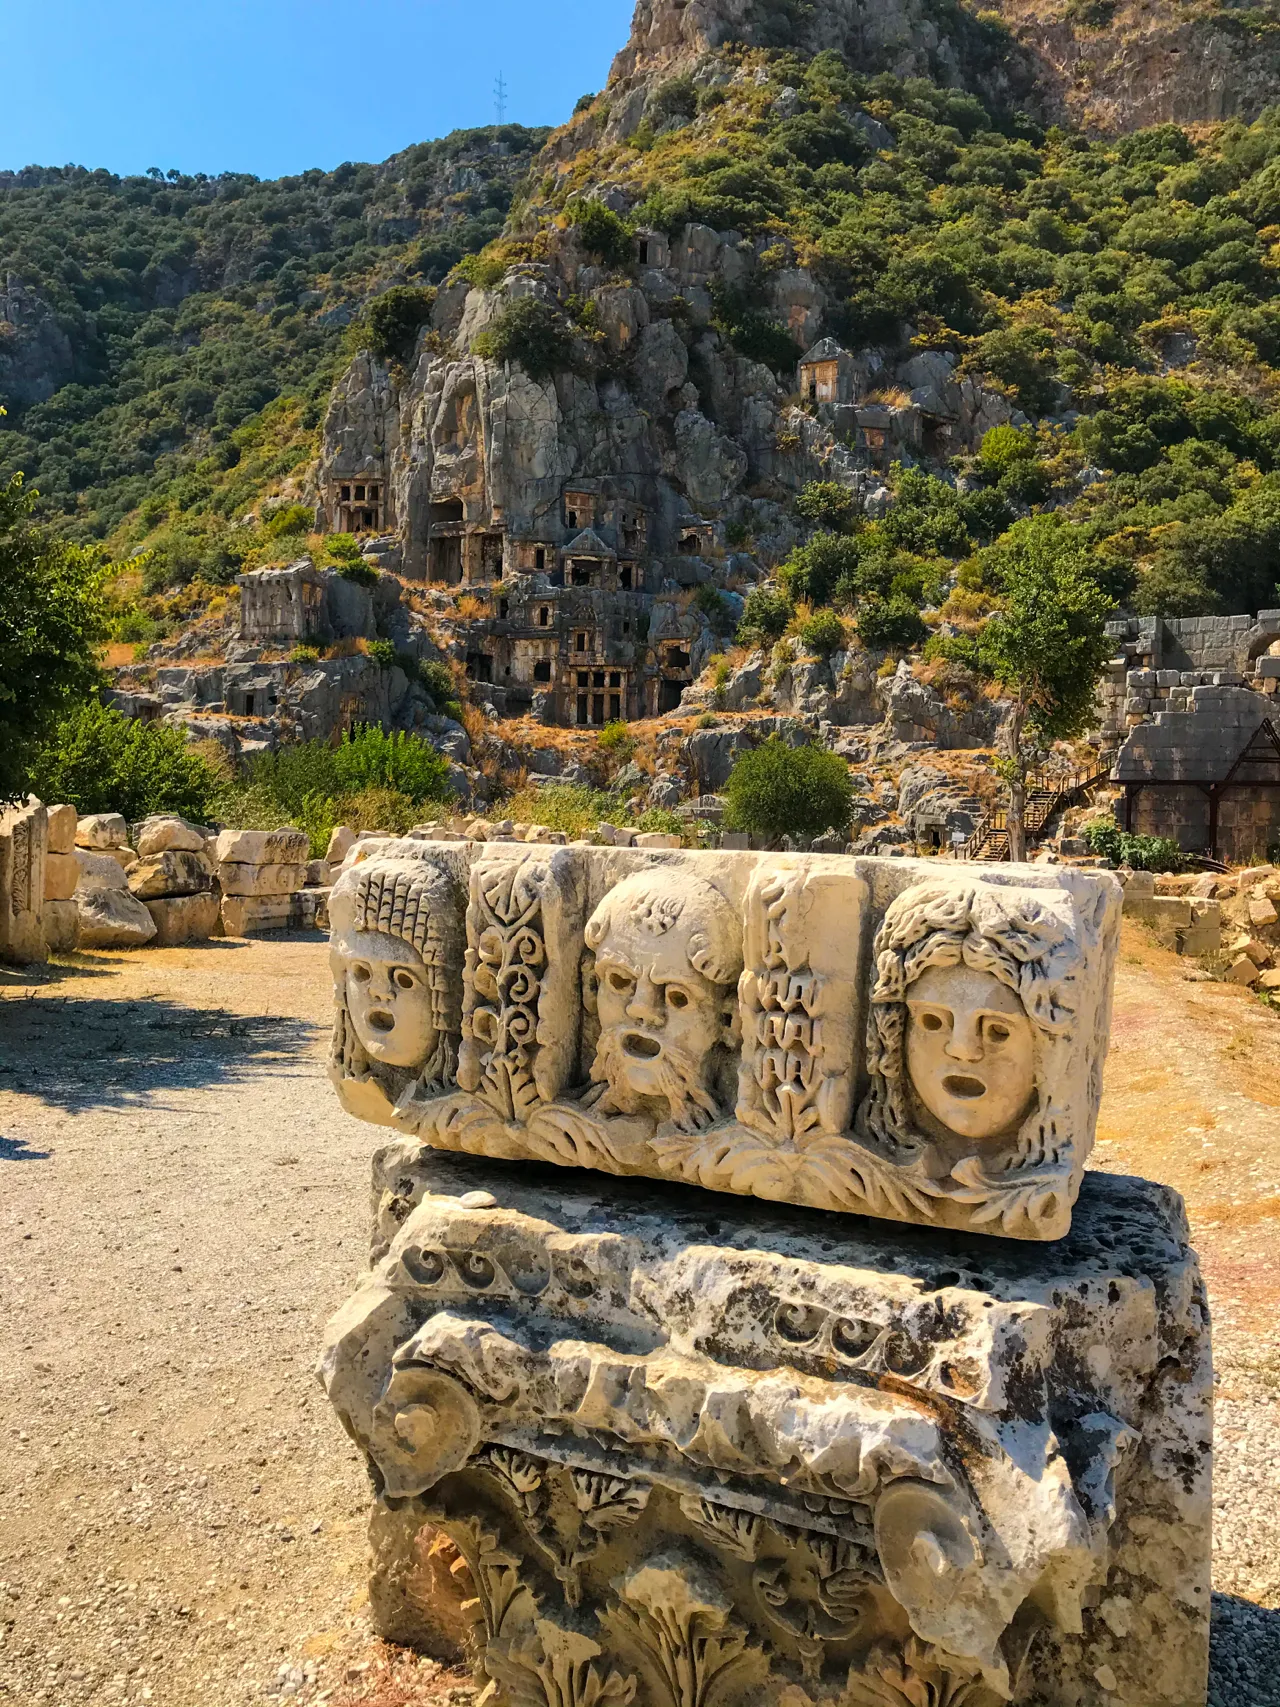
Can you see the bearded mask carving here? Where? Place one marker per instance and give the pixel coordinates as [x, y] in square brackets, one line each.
[667, 961]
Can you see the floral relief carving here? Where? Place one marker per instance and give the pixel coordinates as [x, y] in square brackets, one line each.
[556, 1668]
[914, 1675]
[680, 1629]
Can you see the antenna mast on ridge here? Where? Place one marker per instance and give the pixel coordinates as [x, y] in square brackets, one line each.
[500, 98]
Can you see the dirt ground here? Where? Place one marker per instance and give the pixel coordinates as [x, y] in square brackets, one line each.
[182, 1205]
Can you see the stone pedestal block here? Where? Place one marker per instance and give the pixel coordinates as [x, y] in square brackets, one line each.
[249, 915]
[61, 875]
[24, 841]
[170, 873]
[263, 847]
[260, 880]
[183, 918]
[61, 927]
[62, 828]
[699, 1453]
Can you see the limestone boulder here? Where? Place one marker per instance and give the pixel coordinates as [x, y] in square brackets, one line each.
[168, 835]
[98, 871]
[61, 927]
[169, 873]
[263, 847]
[62, 822]
[61, 875]
[184, 918]
[341, 843]
[102, 830]
[239, 879]
[112, 918]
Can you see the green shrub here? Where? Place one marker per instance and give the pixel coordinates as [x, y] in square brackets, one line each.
[304, 655]
[1140, 853]
[715, 607]
[289, 518]
[893, 624]
[603, 233]
[766, 616]
[778, 790]
[829, 505]
[394, 319]
[815, 570]
[532, 333]
[357, 570]
[343, 548]
[823, 633]
[617, 741]
[99, 761]
[383, 654]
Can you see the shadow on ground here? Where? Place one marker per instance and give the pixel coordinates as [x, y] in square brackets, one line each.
[1244, 1665]
[77, 1052]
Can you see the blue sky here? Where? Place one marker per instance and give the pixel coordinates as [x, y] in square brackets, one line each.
[275, 86]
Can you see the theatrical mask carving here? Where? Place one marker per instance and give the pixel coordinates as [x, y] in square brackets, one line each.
[396, 956]
[868, 1036]
[667, 961]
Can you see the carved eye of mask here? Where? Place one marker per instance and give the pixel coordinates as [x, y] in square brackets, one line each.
[622, 982]
[361, 973]
[405, 979]
[676, 997]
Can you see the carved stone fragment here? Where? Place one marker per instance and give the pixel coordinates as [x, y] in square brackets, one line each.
[912, 1041]
[797, 1459]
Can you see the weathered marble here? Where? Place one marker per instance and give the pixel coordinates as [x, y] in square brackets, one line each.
[920, 1041]
[24, 841]
[689, 1457]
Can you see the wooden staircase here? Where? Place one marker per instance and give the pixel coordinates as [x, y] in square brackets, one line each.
[1048, 793]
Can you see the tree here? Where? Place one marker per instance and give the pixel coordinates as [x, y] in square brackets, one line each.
[778, 791]
[52, 618]
[531, 332]
[99, 761]
[1045, 646]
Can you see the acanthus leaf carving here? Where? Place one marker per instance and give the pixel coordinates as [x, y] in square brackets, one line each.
[914, 1675]
[679, 1627]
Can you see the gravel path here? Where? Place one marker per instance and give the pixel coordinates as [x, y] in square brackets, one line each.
[182, 1205]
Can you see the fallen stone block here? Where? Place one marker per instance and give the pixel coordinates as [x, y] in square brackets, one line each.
[62, 828]
[168, 835]
[112, 918]
[61, 927]
[1243, 971]
[169, 873]
[311, 910]
[657, 839]
[102, 830]
[261, 879]
[99, 871]
[319, 874]
[1270, 980]
[61, 875]
[1262, 913]
[256, 915]
[184, 918]
[263, 847]
[341, 843]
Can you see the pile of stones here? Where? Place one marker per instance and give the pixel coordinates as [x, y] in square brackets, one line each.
[740, 1319]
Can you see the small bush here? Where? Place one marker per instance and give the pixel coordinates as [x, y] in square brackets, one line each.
[822, 633]
[891, 623]
[603, 233]
[617, 741]
[289, 518]
[829, 505]
[343, 548]
[766, 616]
[530, 332]
[99, 761]
[357, 570]
[304, 655]
[715, 607]
[1140, 853]
[394, 319]
[777, 791]
[383, 654]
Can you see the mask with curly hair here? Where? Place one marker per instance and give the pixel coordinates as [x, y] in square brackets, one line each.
[968, 1013]
[397, 960]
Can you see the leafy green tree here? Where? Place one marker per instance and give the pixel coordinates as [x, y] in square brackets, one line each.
[823, 633]
[52, 617]
[603, 233]
[829, 505]
[766, 616]
[98, 761]
[394, 319]
[1046, 646]
[532, 333]
[776, 791]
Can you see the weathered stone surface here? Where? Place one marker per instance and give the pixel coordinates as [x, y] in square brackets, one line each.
[102, 830]
[168, 834]
[184, 918]
[62, 828]
[169, 873]
[341, 843]
[99, 871]
[250, 915]
[791, 1459]
[24, 833]
[61, 927]
[263, 847]
[112, 918]
[61, 875]
[271, 879]
[876, 1036]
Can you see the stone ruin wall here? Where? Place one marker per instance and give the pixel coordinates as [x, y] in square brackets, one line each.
[685, 1447]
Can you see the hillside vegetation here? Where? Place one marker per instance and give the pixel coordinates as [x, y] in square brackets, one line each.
[146, 322]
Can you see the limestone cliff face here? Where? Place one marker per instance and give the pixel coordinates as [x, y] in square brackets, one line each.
[1140, 65]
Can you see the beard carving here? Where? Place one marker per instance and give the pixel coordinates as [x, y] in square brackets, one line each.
[675, 1074]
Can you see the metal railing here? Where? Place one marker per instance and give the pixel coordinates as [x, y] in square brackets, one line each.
[1047, 793]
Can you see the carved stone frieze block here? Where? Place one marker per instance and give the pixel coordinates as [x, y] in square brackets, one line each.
[783, 1458]
[917, 1041]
